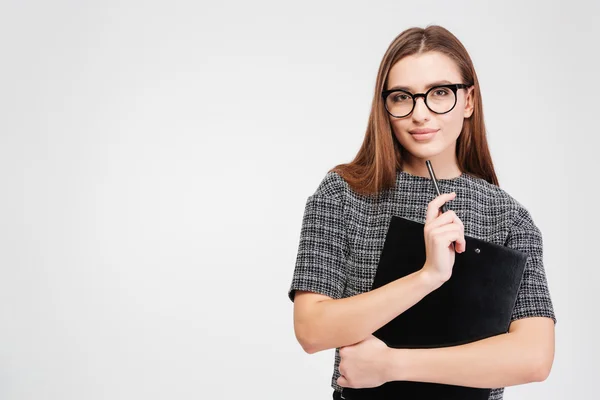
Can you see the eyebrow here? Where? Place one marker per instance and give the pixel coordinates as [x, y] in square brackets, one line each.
[432, 84]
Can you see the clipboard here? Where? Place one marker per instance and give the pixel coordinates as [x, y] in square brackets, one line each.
[475, 303]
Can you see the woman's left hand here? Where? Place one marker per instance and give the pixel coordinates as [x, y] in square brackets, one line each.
[364, 364]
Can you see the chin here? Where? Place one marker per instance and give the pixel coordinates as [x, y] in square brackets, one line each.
[424, 150]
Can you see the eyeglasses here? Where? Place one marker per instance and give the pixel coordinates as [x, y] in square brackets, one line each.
[439, 99]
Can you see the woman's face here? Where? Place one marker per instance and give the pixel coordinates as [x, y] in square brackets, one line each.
[416, 74]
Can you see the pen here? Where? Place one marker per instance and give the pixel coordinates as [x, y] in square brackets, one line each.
[435, 185]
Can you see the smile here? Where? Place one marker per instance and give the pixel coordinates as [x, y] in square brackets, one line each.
[423, 136]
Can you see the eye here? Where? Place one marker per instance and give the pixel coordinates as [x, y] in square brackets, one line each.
[400, 97]
[441, 92]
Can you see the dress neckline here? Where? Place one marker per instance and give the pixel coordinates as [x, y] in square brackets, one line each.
[407, 175]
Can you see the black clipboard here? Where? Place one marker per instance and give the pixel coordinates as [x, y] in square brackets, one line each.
[475, 303]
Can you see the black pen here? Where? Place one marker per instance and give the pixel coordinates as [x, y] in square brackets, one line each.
[435, 185]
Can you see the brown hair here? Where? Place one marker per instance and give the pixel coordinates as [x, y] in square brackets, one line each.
[380, 157]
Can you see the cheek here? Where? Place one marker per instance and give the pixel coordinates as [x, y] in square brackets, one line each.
[400, 131]
[401, 126]
[451, 123]
[450, 120]
[455, 124]
[396, 127]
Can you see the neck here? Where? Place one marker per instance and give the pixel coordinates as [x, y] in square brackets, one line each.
[444, 169]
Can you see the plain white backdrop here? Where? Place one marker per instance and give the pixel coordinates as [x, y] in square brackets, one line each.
[155, 159]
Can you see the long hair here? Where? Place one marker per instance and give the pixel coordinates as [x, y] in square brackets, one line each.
[380, 157]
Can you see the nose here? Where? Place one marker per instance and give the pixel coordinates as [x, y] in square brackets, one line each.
[420, 111]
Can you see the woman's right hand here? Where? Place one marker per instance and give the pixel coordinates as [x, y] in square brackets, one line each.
[441, 229]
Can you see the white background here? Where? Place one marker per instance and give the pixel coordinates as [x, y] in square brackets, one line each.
[155, 159]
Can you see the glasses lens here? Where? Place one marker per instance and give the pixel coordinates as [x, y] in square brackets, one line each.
[399, 104]
[441, 99]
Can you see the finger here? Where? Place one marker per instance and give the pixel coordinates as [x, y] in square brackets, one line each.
[447, 234]
[452, 237]
[461, 245]
[443, 230]
[446, 218]
[459, 242]
[435, 204]
[342, 381]
[451, 214]
[450, 218]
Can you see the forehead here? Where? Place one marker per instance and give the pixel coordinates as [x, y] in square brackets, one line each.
[417, 71]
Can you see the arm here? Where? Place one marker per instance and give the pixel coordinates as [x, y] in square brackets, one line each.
[322, 315]
[524, 354]
[322, 318]
[321, 322]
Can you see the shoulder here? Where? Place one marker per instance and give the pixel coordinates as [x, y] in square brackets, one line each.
[503, 203]
[333, 186]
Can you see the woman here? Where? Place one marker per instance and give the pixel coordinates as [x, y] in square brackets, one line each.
[427, 106]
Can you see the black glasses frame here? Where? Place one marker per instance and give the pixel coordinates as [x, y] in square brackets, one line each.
[454, 87]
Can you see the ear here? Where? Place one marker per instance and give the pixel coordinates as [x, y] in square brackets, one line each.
[469, 101]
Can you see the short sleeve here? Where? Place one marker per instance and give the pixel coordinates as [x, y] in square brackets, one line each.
[323, 247]
[533, 299]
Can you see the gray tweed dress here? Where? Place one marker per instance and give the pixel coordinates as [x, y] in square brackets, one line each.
[343, 233]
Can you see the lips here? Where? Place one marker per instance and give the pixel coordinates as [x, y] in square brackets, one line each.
[423, 134]
[422, 131]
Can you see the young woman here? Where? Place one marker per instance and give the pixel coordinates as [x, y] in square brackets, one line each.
[427, 106]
